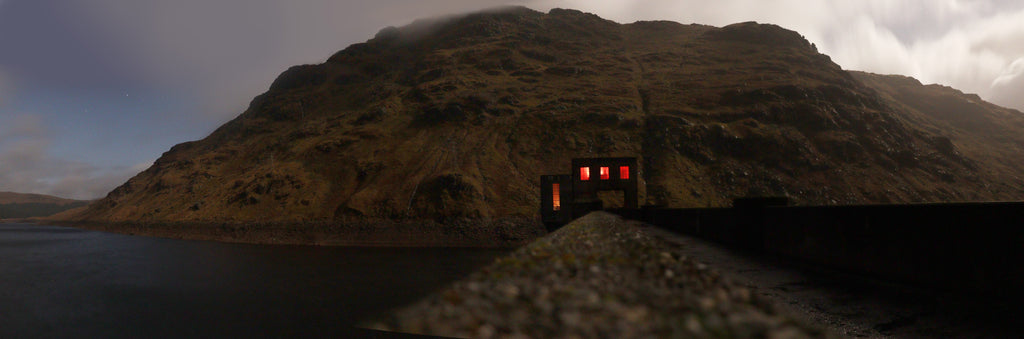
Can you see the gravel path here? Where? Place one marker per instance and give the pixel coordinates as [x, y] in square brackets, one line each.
[600, 277]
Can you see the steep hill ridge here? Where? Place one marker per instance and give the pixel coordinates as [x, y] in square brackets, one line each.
[457, 118]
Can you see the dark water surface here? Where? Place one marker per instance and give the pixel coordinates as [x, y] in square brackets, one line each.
[67, 282]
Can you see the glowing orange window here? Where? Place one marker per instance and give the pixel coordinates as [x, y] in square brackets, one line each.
[556, 201]
[604, 173]
[624, 172]
[584, 173]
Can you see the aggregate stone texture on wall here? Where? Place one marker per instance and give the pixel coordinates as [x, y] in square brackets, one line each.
[598, 277]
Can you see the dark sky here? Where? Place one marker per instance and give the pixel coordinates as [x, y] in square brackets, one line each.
[92, 91]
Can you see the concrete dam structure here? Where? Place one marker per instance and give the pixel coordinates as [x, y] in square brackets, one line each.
[973, 247]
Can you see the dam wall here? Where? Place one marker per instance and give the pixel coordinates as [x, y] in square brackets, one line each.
[957, 246]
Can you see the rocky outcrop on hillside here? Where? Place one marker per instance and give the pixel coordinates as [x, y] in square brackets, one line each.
[456, 118]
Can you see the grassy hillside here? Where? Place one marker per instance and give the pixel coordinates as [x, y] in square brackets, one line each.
[457, 118]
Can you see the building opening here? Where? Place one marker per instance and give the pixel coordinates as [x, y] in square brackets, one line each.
[612, 199]
[556, 201]
[564, 197]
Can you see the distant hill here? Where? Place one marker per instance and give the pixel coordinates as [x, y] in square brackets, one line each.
[24, 198]
[24, 205]
[458, 117]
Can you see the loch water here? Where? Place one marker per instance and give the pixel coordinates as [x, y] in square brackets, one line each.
[67, 282]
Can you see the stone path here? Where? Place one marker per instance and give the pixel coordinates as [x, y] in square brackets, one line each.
[598, 277]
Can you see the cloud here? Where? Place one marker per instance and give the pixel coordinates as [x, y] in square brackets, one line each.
[22, 127]
[227, 52]
[971, 45]
[972, 56]
[6, 87]
[1008, 87]
[27, 166]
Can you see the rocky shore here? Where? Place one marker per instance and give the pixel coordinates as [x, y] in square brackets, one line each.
[599, 276]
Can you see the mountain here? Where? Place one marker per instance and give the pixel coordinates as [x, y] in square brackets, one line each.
[456, 118]
[23, 205]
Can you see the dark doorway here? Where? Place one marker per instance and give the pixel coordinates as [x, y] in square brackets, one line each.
[612, 199]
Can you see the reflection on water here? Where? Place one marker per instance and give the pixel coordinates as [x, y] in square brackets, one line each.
[59, 281]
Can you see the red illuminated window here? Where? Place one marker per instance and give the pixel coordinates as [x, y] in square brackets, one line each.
[624, 172]
[556, 201]
[584, 173]
[604, 173]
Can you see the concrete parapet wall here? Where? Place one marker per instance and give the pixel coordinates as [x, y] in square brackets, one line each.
[975, 246]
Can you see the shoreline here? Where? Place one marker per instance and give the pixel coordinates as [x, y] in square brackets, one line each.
[508, 232]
